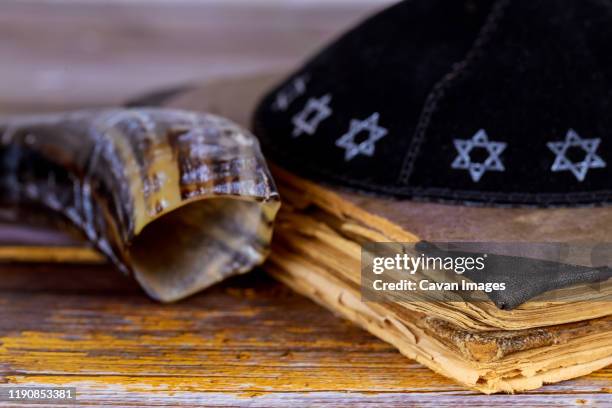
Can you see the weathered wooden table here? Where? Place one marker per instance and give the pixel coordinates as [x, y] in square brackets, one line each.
[249, 341]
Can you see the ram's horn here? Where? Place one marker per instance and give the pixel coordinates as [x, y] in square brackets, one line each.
[179, 199]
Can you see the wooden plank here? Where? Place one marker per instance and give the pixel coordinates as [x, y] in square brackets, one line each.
[74, 54]
[50, 254]
[247, 341]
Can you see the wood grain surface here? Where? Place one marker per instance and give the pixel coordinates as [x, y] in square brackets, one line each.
[72, 54]
[247, 342]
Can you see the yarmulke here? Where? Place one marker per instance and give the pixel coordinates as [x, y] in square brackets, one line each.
[497, 102]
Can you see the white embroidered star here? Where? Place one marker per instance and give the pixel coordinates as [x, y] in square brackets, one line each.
[290, 93]
[315, 111]
[366, 147]
[579, 169]
[480, 140]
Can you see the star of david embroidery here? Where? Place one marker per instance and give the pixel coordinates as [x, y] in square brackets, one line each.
[367, 146]
[578, 169]
[315, 111]
[463, 161]
[286, 96]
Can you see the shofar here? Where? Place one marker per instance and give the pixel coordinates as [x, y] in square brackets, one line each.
[316, 252]
[180, 200]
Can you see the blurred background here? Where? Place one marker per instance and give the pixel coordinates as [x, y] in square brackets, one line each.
[78, 53]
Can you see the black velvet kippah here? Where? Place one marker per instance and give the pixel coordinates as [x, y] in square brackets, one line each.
[498, 102]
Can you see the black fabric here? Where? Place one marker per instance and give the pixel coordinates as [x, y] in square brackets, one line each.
[524, 278]
[528, 73]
